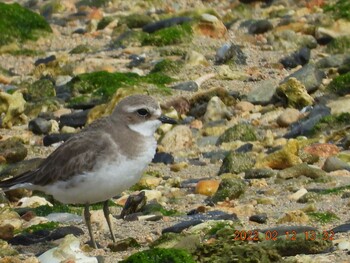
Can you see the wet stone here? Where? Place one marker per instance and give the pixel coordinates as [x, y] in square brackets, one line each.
[12, 150]
[39, 126]
[301, 57]
[259, 218]
[76, 119]
[56, 137]
[342, 228]
[260, 27]
[163, 157]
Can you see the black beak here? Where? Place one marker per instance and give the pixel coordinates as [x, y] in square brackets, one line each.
[165, 119]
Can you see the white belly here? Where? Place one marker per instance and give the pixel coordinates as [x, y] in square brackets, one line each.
[105, 182]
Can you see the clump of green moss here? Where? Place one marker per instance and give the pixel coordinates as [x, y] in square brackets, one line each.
[339, 45]
[20, 24]
[167, 66]
[340, 9]
[43, 226]
[331, 122]
[323, 217]
[103, 84]
[160, 255]
[152, 208]
[169, 36]
[335, 190]
[340, 84]
[45, 210]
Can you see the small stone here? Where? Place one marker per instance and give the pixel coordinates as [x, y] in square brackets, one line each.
[207, 187]
[259, 173]
[259, 218]
[68, 130]
[123, 245]
[76, 119]
[179, 138]
[242, 132]
[301, 57]
[194, 58]
[260, 27]
[13, 107]
[186, 86]
[149, 182]
[264, 93]
[33, 201]
[39, 126]
[288, 117]
[163, 157]
[177, 167]
[334, 164]
[245, 106]
[216, 110]
[230, 52]
[297, 195]
[211, 26]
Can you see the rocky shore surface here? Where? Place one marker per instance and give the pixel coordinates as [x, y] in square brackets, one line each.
[258, 168]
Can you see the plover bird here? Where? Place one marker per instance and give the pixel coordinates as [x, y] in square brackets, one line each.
[104, 159]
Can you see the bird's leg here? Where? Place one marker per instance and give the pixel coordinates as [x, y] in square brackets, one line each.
[87, 217]
[106, 214]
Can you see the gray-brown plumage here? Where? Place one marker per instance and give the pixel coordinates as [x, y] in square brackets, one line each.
[100, 162]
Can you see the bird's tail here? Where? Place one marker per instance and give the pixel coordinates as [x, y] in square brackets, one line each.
[21, 179]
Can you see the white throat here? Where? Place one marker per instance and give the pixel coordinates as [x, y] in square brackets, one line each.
[146, 128]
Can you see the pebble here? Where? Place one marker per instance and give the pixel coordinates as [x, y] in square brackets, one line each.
[179, 138]
[259, 218]
[163, 157]
[260, 27]
[40, 126]
[288, 117]
[297, 195]
[75, 119]
[207, 187]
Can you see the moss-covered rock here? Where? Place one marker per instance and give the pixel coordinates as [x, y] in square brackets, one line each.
[33, 109]
[242, 132]
[302, 169]
[295, 93]
[12, 150]
[12, 105]
[229, 188]
[167, 66]
[81, 49]
[281, 159]
[43, 88]
[20, 24]
[339, 45]
[236, 163]
[169, 36]
[160, 255]
[340, 84]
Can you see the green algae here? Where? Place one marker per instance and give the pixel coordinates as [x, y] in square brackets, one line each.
[43, 226]
[339, 45]
[339, 9]
[169, 36]
[335, 190]
[20, 24]
[160, 255]
[103, 84]
[340, 85]
[323, 217]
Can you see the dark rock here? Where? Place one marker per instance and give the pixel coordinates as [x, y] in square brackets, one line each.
[229, 52]
[259, 218]
[163, 157]
[80, 31]
[301, 57]
[56, 137]
[12, 150]
[186, 86]
[153, 27]
[248, 147]
[178, 228]
[39, 126]
[134, 204]
[63, 92]
[306, 125]
[76, 119]
[259, 173]
[333, 61]
[309, 76]
[136, 61]
[40, 236]
[215, 155]
[260, 27]
[45, 60]
[341, 228]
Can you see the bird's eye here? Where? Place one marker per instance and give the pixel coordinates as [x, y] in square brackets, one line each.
[142, 112]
